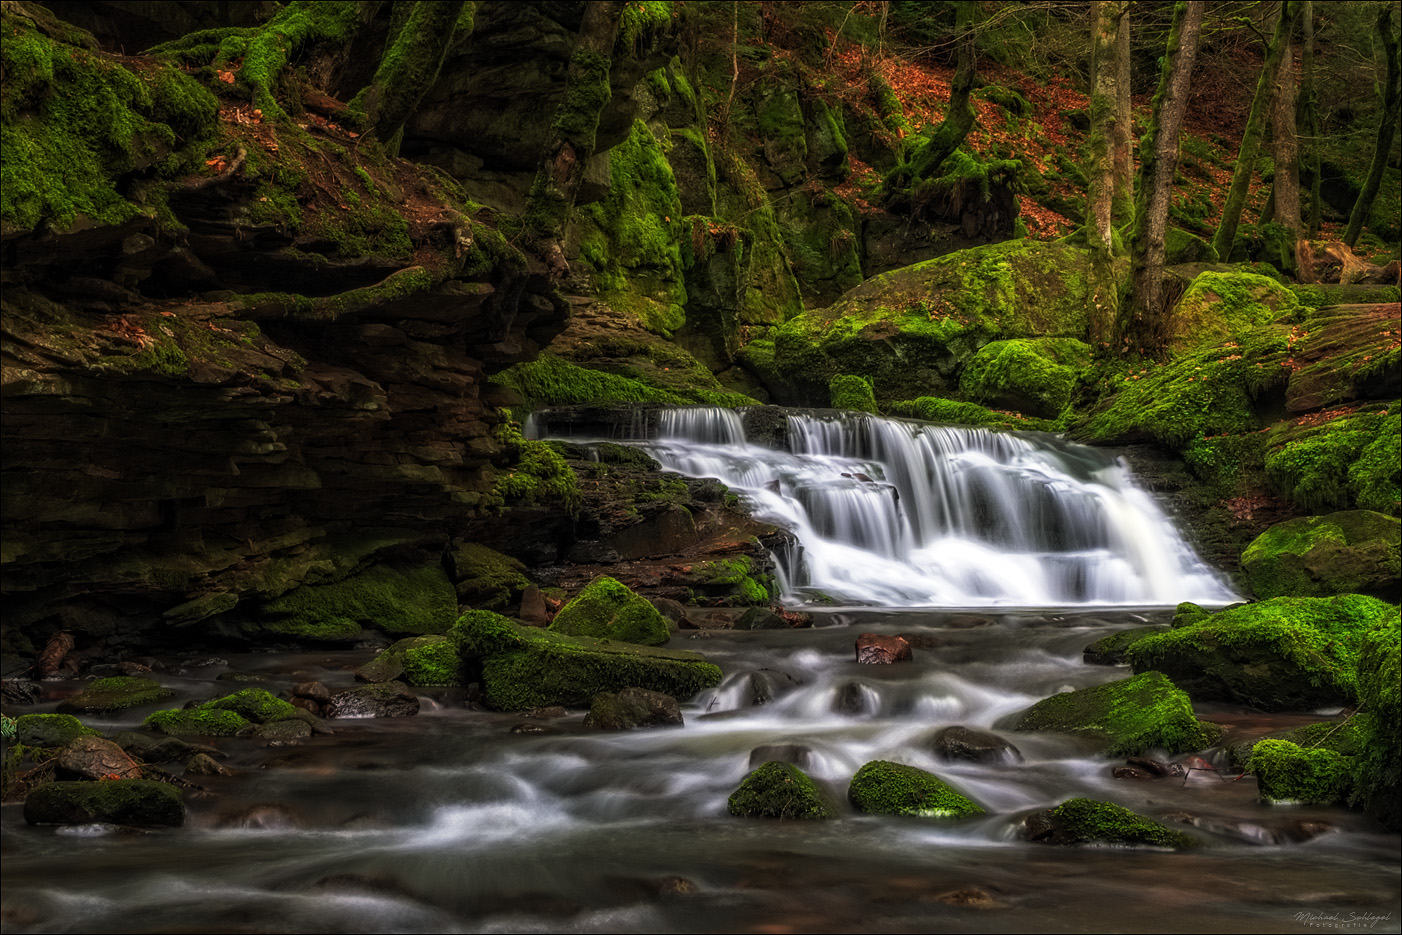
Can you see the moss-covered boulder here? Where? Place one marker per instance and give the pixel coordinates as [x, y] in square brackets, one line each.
[884, 788]
[487, 579]
[1279, 655]
[142, 803]
[954, 412]
[607, 609]
[1287, 772]
[779, 790]
[113, 694]
[729, 581]
[1350, 552]
[632, 708]
[50, 730]
[1378, 769]
[254, 704]
[393, 598]
[846, 391]
[1110, 650]
[1127, 717]
[1219, 305]
[525, 667]
[1345, 352]
[1339, 459]
[1032, 375]
[196, 722]
[418, 660]
[1086, 821]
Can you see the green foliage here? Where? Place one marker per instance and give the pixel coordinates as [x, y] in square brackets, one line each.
[1286, 772]
[884, 788]
[1089, 821]
[396, 599]
[608, 609]
[1127, 717]
[779, 790]
[74, 123]
[1378, 770]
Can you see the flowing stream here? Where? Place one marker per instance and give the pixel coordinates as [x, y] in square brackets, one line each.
[462, 820]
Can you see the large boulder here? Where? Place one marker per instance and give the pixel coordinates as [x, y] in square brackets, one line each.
[408, 598]
[524, 667]
[113, 694]
[1126, 718]
[1216, 306]
[1110, 650]
[1284, 654]
[96, 758]
[198, 722]
[378, 699]
[138, 802]
[609, 610]
[779, 790]
[1378, 774]
[884, 788]
[1032, 375]
[1287, 772]
[50, 730]
[1350, 552]
[1086, 821]
[418, 660]
[631, 708]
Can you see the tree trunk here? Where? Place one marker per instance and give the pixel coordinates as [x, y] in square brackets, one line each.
[961, 116]
[1251, 136]
[1123, 203]
[573, 131]
[1105, 124]
[1285, 189]
[408, 69]
[1387, 127]
[1309, 118]
[1158, 151]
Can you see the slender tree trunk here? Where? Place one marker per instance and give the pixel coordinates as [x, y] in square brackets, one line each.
[1387, 126]
[1309, 117]
[1285, 190]
[1158, 152]
[571, 141]
[961, 116]
[1123, 204]
[1105, 124]
[408, 68]
[1251, 136]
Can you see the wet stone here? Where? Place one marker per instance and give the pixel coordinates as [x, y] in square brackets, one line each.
[977, 746]
[96, 758]
[152, 749]
[204, 765]
[1129, 772]
[313, 691]
[383, 699]
[851, 698]
[20, 691]
[875, 649]
[263, 817]
[633, 708]
[795, 753]
[284, 732]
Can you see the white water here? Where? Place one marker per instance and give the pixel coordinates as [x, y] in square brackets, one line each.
[900, 514]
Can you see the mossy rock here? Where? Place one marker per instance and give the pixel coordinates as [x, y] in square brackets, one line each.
[607, 609]
[954, 412]
[1110, 650]
[50, 730]
[1350, 552]
[730, 581]
[884, 788]
[486, 579]
[1087, 821]
[194, 722]
[1346, 352]
[779, 790]
[1352, 460]
[1348, 738]
[1217, 306]
[851, 392]
[1284, 654]
[418, 660]
[1126, 718]
[1378, 768]
[1287, 772]
[113, 694]
[1032, 375]
[140, 803]
[393, 598]
[254, 704]
[523, 667]
[1183, 247]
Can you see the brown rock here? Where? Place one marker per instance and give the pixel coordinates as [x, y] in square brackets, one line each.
[96, 758]
[315, 691]
[533, 609]
[875, 649]
[307, 704]
[204, 765]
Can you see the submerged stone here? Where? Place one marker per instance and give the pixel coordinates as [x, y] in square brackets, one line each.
[609, 610]
[1086, 821]
[779, 790]
[1127, 717]
[113, 694]
[525, 667]
[884, 788]
[138, 802]
[1350, 552]
[1284, 654]
[631, 708]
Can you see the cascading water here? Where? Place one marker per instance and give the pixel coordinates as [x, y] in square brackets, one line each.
[900, 514]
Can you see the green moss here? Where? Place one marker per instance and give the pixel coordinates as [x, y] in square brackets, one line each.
[1036, 376]
[396, 599]
[1285, 772]
[432, 661]
[133, 802]
[550, 380]
[1127, 717]
[1088, 821]
[74, 123]
[1355, 551]
[487, 579]
[731, 579]
[884, 788]
[197, 722]
[524, 668]
[1352, 460]
[952, 412]
[50, 730]
[779, 790]
[1218, 306]
[1378, 770]
[253, 704]
[1183, 247]
[642, 20]
[846, 391]
[1281, 654]
[538, 475]
[114, 694]
[1230, 465]
[299, 24]
[608, 609]
[1110, 650]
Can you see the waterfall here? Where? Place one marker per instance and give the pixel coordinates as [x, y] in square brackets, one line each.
[896, 513]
